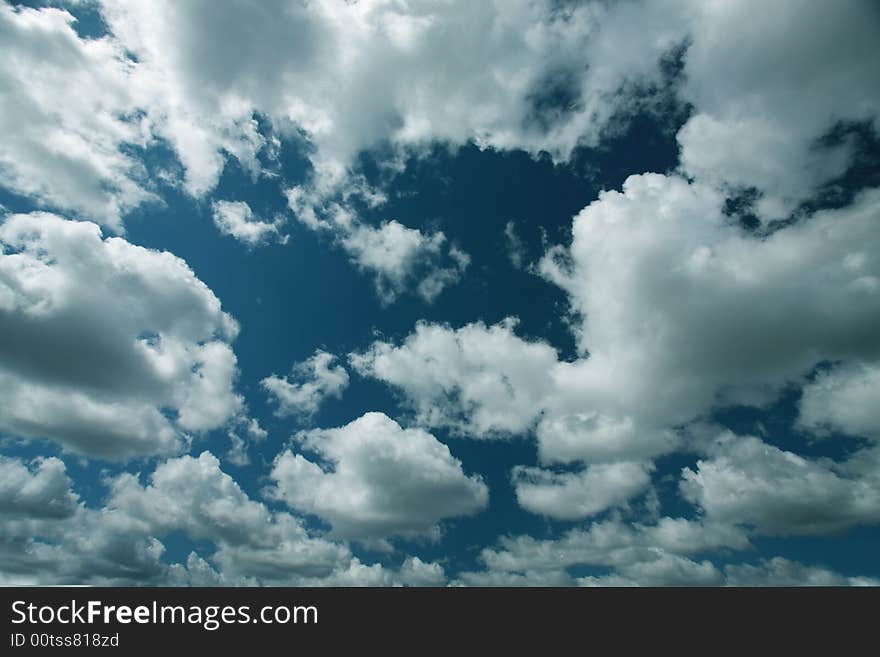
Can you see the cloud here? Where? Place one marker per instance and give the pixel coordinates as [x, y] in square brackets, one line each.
[51, 537]
[654, 555]
[193, 494]
[68, 113]
[40, 490]
[237, 453]
[784, 572]
[399, 257]
[759, 125]
[246, 430]
[744, 488]
[486, 382]
[353, 76]
[516, 249]
[347, 77]
[662, 554]
[379, 480]
[843, 399]
[70, 300]
[750, 483]
[662, 570]
[529, 578]
[682, 310]
[482, 381]
[316, 379]
[678, 310]
[236, 218]
[48, 536]
[119, 543]
[576, 495]
[611, 543]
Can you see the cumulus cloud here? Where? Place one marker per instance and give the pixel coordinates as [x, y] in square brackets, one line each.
[683, 311]
[399, 257]
[40, 489]
[664, 554]
[677, 309]
[68, 111]
[50, 537]
[485, 382]
[246, 431]
[324, 68]
[109, 349]
[355, 76]
[575, 495]
[549, 80]
[660, 554]
[309, 383]
[394, 252]
[378, 480]
[845, 399]
[779, 571]
[759, 126]
[235, 218]
[750, 483]
[482, 381]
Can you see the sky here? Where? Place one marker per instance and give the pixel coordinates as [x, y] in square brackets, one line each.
[440, 293]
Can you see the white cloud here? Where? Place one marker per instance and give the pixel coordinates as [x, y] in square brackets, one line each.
[237, 453]
[479, 380]
[415, 572]
[39, 491]
[662, 569]
[356, 75]
[566, 434]
[757, 124]
[50, 537]
[397, 256]
[314, 379]
[642, 555]
[366, 74]
[236, 218]
[683, 311]
[610, 543]
[784, 572]
[254, 430]
[246, 430]
[379, 480]
[575, 495]
[486, 382]
[67, 111]
[348, 76]
[679, 311]
[192, 494]
[120, 543]
[500, 578]
[514, 244]
[389, 249]
[103, 338]
[653, 555]
[750, 483]
[845, 399]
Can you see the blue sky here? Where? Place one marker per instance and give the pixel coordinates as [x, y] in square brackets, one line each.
[425, 293]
